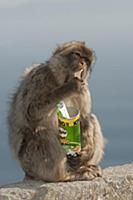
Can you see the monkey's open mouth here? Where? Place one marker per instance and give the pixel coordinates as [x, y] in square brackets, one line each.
[80, 75]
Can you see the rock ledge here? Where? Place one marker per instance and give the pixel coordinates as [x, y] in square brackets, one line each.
[116, 184]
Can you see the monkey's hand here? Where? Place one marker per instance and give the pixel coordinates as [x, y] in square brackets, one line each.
[41, 103]
[73, 160]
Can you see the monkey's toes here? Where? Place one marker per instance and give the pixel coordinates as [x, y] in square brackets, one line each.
[96, 170]
[89, 172]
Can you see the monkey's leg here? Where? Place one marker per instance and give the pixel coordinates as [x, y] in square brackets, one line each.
[99, 141]
[41, 156]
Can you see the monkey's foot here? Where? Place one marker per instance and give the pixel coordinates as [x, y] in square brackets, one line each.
[88, 172]
[84, 173]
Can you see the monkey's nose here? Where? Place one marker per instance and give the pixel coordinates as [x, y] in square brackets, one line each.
[82, 63]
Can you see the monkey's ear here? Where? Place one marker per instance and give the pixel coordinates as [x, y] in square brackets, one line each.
[90, 59]
[93, 59]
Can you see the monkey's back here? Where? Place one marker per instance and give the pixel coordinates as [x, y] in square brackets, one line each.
[30, 87]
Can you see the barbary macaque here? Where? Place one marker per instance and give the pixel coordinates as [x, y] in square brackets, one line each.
[33, 123]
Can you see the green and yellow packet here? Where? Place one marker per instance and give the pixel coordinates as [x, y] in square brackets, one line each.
[69, 128]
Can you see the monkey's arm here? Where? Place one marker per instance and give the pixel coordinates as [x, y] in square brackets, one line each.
[92, 143]
[87, 143]
[42, 103]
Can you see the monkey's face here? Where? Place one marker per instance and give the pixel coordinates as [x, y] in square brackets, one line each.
[78, 59]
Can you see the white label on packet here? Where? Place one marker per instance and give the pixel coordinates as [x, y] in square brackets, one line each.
[62, 108]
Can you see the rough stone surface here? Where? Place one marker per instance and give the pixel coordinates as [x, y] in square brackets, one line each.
[116, 184]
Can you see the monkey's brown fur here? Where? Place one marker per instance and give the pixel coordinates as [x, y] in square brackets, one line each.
[33, 121]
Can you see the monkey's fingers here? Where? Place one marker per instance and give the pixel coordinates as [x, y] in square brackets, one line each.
[73, 160]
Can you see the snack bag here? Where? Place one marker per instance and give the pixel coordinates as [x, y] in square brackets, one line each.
[69, 128]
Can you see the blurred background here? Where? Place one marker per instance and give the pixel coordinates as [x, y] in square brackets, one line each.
[31, 29]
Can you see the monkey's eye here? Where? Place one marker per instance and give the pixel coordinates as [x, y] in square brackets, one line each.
[76, 54]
